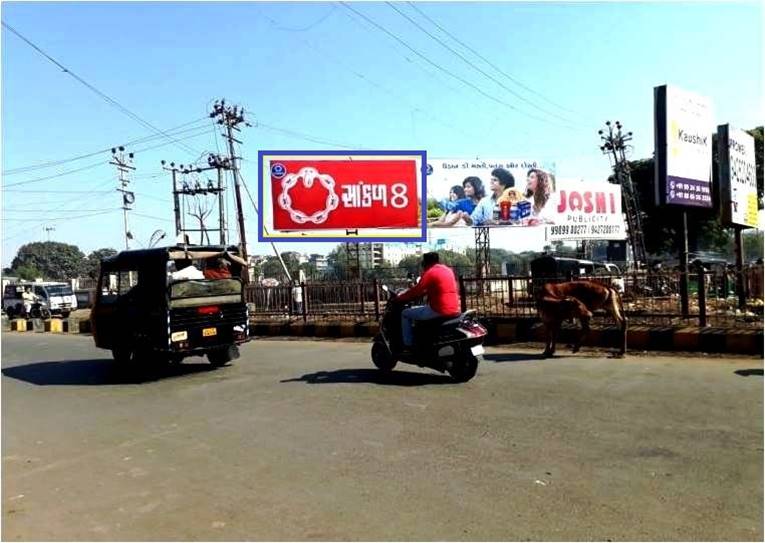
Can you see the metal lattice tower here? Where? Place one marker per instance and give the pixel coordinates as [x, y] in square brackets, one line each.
[482, 256]
[614, 146]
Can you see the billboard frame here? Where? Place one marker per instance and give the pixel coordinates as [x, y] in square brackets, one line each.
[346, 239]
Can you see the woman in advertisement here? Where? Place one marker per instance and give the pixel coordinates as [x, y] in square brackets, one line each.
[472, 192]
[539, 187]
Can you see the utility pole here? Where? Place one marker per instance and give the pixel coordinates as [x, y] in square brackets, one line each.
[49, 229]
[214, 162]
[176, 203]
[614, 146]
[124, 166]
[231, 117]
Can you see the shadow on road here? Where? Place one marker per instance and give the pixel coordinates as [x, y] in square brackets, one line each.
[513, 357]
[373, 376]
[748, 372]
[102, 371]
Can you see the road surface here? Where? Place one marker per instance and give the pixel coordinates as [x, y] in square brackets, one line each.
[305, 440]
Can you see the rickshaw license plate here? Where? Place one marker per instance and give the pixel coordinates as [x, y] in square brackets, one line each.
[207, 332]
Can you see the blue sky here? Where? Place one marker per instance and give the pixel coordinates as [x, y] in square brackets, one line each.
[322, 73]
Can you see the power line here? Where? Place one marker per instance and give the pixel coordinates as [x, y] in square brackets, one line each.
[403, 101]
[42, 165]
[101, 163]
[476, 68]
[54, 176]
[68, 218]
[310, 26]
[307, 137]
[78, 210]
[111, 101]
[144, 215]
[439, 67]
[41, 223]
[97, 194]
[55, 191]
[487, 61]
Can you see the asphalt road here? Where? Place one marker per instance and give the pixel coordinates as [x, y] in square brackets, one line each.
[306, 440]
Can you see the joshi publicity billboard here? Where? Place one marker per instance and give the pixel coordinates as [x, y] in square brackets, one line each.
[586, 210]
[489, 192]
[328, 196]
[683, 126]
[738, 180]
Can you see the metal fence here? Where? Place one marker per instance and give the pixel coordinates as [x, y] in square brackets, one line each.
[649, 298]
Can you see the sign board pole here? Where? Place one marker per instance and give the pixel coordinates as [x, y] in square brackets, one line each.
[683, 242]
[740, 290]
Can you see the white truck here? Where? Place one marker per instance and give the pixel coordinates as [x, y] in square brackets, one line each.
[53, 298]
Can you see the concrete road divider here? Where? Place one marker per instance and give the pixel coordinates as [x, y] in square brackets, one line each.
[639, 338]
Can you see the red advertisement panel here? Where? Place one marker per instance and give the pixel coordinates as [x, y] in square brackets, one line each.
[344, 194]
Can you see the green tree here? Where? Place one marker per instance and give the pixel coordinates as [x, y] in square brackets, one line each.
[273, 268]
[661, 228]
[386, 271]
[27, 273]
[93, 262]
[459, 262]
[53, 259]
[753, 249]
[337, 260]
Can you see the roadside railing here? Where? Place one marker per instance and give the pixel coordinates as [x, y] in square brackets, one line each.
[649, 298]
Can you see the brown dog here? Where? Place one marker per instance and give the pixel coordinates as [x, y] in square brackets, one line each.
[557, 302]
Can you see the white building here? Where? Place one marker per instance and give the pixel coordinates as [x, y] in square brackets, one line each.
[393, 253]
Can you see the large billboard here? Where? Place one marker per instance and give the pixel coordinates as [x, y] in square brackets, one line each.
[345, 196]
[738, 180]
[683, 126]
[488, 192]
[586, 210]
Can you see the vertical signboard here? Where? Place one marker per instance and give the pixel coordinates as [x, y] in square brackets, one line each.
[738, 181]
[683, 126]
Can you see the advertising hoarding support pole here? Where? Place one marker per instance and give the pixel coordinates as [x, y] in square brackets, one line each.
[702, 282]
[377, 299]
[740, 289]
[683, 242]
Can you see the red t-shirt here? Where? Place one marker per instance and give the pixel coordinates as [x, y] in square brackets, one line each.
[216, 273]
[439, 283]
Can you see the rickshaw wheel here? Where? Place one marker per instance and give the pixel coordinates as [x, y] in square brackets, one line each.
[221, 357]
[122, 355]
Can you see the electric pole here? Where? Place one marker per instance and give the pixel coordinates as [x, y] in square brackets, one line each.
[231, 117]
[49, 229]
[614, 146]
[214, 162]
[124, 166]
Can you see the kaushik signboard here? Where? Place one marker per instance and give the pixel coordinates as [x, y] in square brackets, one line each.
[586, 210]
[328, 196]
[461, 192]
[683, 126]
[738, 180]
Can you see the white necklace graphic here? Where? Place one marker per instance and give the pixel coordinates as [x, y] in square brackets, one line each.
[309, 175]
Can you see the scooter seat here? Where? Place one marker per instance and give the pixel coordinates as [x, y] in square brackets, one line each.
[443, 321]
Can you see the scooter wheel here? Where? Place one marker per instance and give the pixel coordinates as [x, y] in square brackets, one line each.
[465, 370]
[382, 357]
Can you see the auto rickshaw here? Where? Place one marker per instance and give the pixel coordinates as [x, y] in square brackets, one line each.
[171, 302]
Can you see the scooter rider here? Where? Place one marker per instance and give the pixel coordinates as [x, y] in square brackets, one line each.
[440, 285]
[28, 298]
